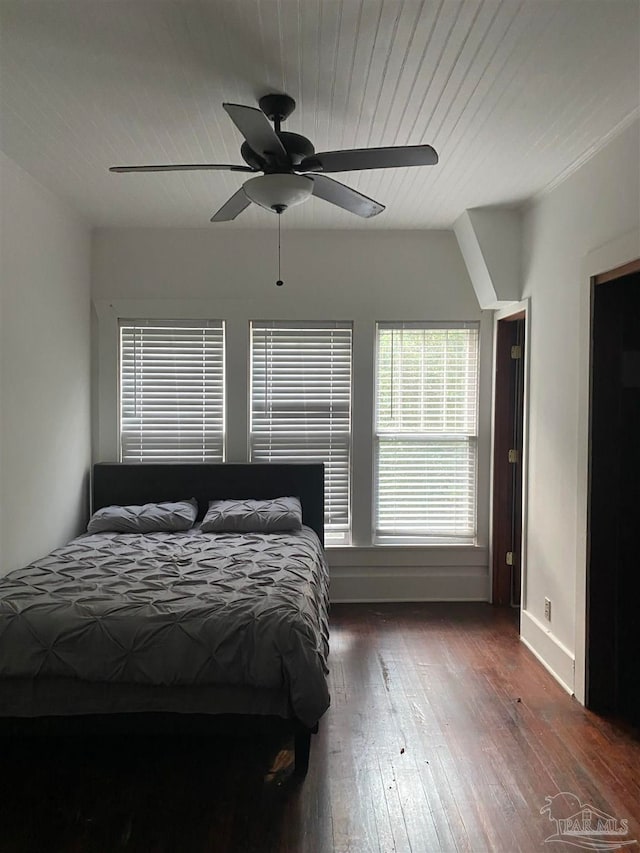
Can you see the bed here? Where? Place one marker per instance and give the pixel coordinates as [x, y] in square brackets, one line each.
[229, 628]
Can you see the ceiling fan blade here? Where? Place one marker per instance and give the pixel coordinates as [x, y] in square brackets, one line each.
[370, 158]
[254, 126]
[232, 207]
[343, 196]
[183, 168]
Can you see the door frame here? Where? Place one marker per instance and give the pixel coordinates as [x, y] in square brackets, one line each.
[606, 258]
[515, 309]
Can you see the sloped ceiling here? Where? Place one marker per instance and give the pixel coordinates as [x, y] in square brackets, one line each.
[511, 94]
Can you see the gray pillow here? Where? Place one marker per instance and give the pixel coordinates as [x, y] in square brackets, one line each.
[253, 516]
[149, 518]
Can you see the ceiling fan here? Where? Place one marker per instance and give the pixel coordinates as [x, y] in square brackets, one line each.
[293, 171]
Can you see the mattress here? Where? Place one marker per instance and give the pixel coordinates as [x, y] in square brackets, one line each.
[174, 610]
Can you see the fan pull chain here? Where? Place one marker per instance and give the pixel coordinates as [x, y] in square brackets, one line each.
[279, 282]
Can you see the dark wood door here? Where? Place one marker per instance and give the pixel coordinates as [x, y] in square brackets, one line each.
[508, 451]
[613, 572]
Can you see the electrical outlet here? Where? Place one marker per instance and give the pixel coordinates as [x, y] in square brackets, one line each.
[547, 609]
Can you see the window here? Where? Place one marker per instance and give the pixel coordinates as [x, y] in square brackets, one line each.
[301, 405]
[171, 392]
[426, 432]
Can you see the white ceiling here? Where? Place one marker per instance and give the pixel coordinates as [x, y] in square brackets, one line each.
[511, 94]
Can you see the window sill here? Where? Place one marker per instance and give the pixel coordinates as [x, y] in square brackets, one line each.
[400, 546]
[407, 555]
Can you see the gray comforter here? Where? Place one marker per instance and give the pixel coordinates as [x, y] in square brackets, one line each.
[175, 608]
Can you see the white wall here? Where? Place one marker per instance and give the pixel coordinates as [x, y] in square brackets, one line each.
[589, 220]
[44, 369]
[353, 275]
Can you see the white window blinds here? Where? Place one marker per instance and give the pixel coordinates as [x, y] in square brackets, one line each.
[426, 432]
[301, 405]
[171, 392]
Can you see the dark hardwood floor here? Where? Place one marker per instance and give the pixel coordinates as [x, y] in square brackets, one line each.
[444, 733]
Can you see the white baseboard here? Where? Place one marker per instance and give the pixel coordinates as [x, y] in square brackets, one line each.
[409, 583]
[552, 654]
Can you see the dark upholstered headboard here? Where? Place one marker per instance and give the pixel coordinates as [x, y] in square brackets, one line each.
[126, 483]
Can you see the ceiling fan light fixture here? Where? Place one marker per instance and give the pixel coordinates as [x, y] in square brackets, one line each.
[278, 191]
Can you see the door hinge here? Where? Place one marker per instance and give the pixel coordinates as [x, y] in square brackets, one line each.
[516, 351]
[509, 558]
[513, 455]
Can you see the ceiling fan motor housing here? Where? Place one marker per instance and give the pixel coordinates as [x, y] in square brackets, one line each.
[277, 108]
[297, 147]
